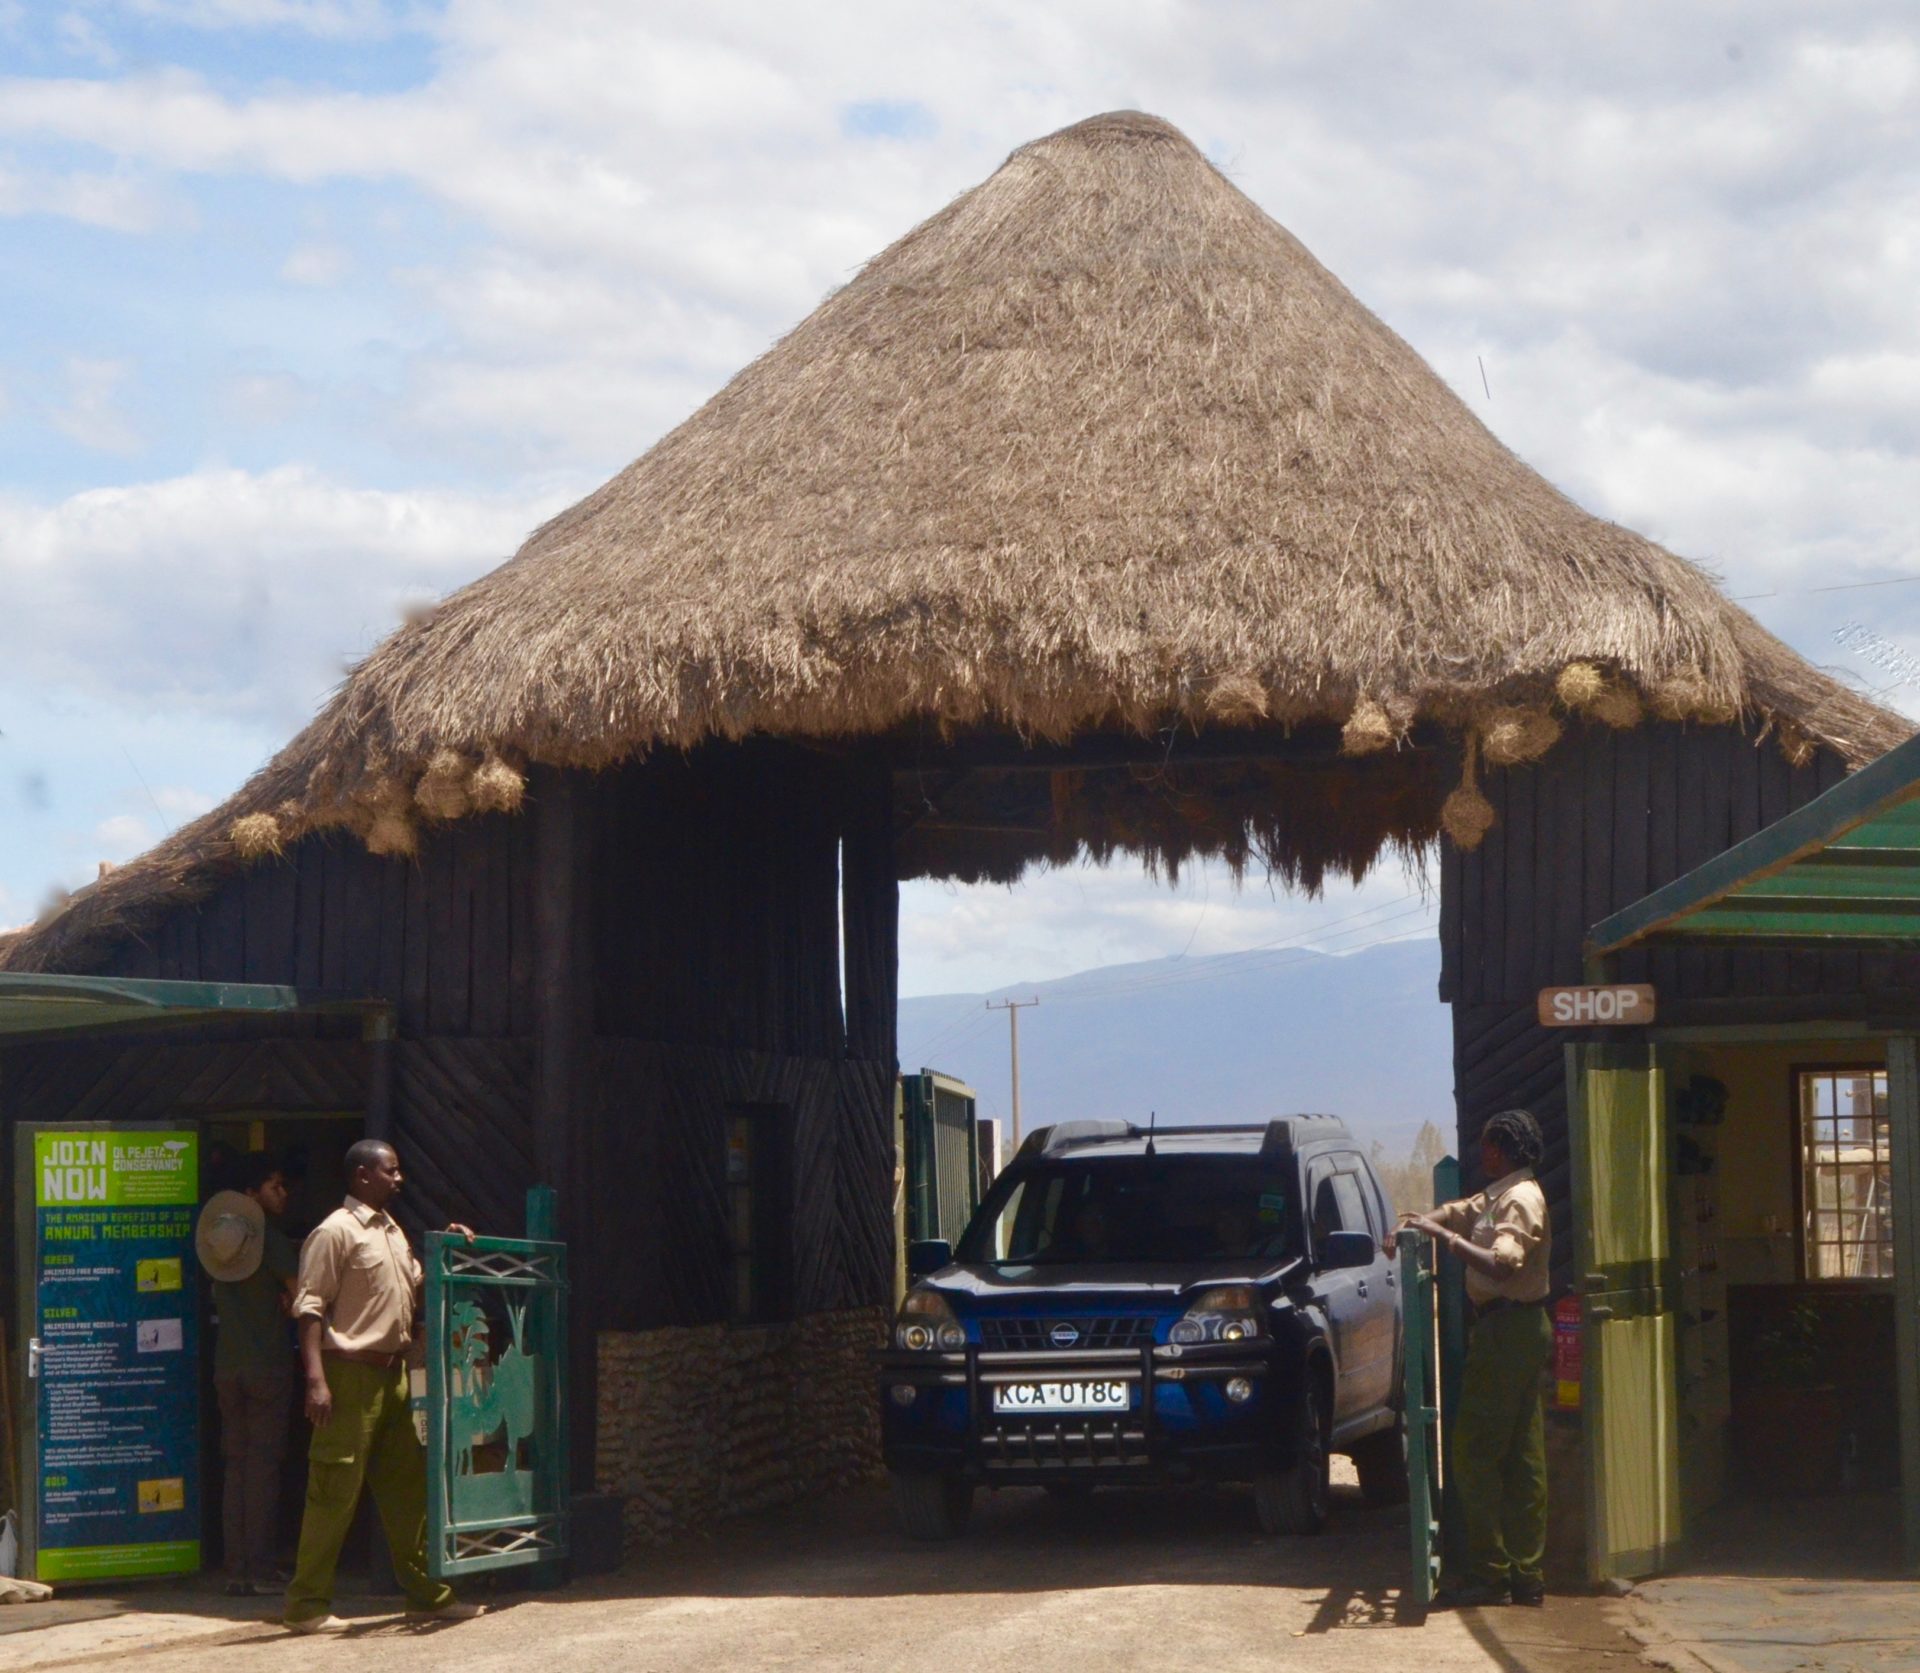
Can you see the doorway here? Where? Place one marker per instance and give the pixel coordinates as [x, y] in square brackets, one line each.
[311, 1150]
[1783, 1237]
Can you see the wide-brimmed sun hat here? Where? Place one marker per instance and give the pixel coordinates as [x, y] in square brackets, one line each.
[231, 1236]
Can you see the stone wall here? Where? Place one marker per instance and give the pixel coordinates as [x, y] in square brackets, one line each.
[701, 1424]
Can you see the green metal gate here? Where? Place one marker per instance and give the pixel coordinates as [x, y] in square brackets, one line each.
[943, 1156]
[497, 1469]
[1416, 1255]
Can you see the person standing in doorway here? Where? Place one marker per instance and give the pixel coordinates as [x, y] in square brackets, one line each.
[1502, 1240]
[252, 1264]
[357, 1306]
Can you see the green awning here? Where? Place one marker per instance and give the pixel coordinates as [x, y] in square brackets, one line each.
[64, 1005]
[1843, 870]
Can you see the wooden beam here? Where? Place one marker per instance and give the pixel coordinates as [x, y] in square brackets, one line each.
[1176, 747]
[562, 1100]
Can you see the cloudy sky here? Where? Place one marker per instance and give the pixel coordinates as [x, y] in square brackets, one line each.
[313, 308]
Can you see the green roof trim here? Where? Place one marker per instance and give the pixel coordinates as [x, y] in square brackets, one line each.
[34, 1006]
[1844, 869]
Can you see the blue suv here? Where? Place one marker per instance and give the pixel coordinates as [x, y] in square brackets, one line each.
[1126, 1307]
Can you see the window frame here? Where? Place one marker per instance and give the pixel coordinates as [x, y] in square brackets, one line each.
[1803, 1247]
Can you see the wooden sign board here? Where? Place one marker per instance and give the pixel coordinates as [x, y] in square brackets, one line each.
[1617, 1005]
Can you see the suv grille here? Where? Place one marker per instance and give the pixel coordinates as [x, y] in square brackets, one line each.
[1002, 1335]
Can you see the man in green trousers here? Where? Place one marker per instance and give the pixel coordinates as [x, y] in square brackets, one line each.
[357, 1304]
[1502, 1239]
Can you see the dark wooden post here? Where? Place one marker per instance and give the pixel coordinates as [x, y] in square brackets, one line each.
[563, 1078]
[377, 1031]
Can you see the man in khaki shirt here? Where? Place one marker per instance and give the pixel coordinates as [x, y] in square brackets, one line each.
[356, 1305]
[1502, 1239]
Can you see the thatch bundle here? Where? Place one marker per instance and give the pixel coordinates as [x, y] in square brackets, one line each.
[1098, 446]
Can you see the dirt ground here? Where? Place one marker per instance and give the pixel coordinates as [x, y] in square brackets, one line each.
[1125, 1580]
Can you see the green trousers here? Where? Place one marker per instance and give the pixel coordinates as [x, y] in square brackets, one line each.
[1500, 1447]
[368, 1441]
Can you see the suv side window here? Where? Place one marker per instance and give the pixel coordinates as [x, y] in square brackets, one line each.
[1378, 1219]
[1337, 1203]
[1353, 1211]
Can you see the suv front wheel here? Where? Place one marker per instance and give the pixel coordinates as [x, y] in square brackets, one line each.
[1294, 1500]
[931, 1506]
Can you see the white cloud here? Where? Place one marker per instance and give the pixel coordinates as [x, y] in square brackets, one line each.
[316, 264]
[956, 939]
[122, 836]
[123, 202]
[230, 592]
[92, 414]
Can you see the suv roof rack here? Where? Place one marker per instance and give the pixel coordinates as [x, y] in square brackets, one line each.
[1290, 1132]
[1043, 1141]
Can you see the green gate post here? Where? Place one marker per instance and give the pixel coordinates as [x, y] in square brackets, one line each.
[543, 1214]
[1451, 1292]
[1416, 1291]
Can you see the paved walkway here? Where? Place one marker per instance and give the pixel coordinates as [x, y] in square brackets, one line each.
[1788, 1586]
[1744, 1624]
[1127, 1580]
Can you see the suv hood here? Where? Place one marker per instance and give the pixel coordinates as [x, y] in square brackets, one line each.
[1020, 1287]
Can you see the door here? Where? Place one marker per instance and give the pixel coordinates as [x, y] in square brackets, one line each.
[1361, 1209]
[1331, 1197]
[1630, 1388]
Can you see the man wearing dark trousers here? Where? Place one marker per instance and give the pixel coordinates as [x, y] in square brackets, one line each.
[357, 1307]
[1502, 1240]
[252, 1265]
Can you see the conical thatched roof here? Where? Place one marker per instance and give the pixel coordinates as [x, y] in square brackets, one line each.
[1100, 445]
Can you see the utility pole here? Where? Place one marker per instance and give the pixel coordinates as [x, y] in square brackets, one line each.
[1013, 1008]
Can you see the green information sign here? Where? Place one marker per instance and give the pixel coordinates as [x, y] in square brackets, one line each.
[115, 1489]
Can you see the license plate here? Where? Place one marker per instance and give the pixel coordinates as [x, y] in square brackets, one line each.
[1060, 1397]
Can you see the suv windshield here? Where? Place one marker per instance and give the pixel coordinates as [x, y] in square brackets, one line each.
[1134, 1208]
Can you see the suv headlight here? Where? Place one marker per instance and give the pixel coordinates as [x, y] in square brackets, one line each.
[1229, 1313]
[926, 1322]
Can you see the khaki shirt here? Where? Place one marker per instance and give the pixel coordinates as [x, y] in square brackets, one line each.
[1510, 1218]
[358, 1274]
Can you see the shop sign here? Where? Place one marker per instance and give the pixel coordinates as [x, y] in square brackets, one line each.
[1616, 1005]
[117, 1400]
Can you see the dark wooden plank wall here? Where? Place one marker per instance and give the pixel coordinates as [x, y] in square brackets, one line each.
[660, 1177]
[716, 902]
[1603, 820]
[724, 884]
[146, 1081]
[447, 937]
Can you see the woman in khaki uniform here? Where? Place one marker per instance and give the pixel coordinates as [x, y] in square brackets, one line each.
[1501, 1238]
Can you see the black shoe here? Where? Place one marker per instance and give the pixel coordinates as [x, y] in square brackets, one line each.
[1529, 1594]
[1470, 1597]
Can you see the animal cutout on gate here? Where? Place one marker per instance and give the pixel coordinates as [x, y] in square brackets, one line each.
[489, 1395]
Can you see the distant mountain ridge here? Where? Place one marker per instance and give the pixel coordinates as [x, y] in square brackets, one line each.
[1237, 1037]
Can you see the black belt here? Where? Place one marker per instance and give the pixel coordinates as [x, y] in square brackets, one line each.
[1500, 1304]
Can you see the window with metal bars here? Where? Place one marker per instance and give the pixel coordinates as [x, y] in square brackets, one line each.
[1846, 1174]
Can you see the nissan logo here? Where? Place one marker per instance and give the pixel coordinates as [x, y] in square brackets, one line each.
[1063, 1335]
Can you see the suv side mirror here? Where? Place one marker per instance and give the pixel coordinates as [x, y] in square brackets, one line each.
[1344, 1249]
[928, 1255]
